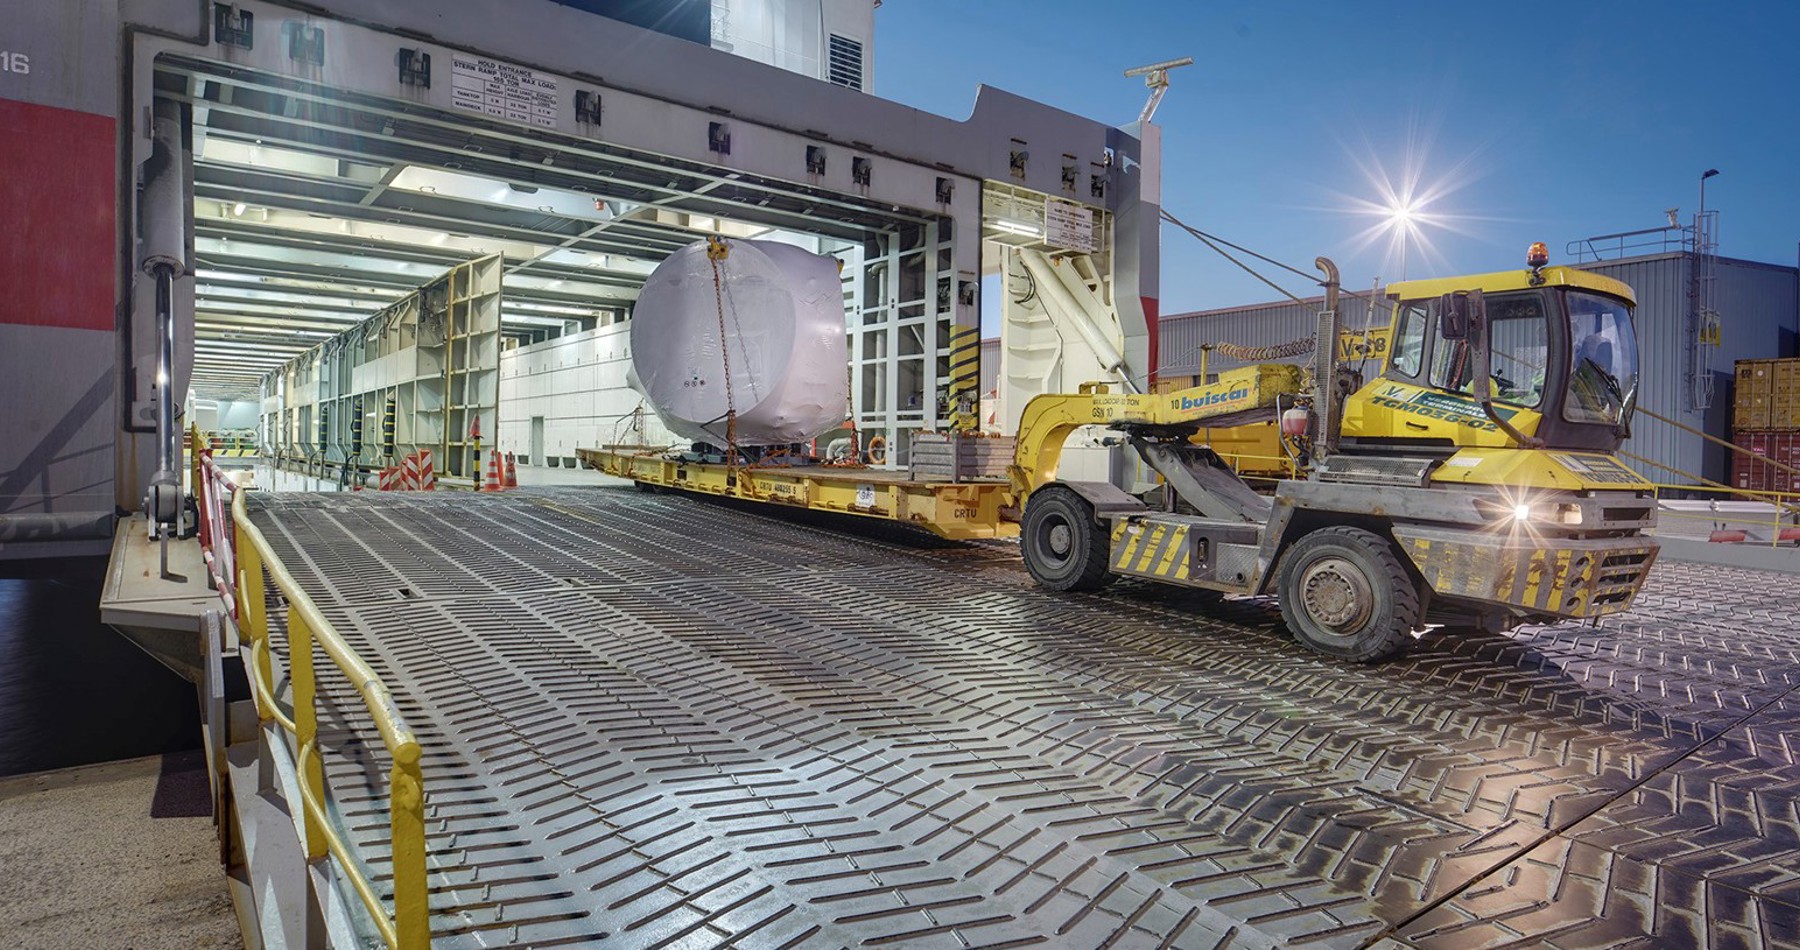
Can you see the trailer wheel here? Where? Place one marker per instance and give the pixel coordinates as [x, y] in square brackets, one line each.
[1345, 593]
[1064, 547]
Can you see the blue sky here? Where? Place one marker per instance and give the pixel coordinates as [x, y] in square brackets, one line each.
[1522, 122]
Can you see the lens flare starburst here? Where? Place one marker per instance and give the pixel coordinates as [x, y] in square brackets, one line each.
[1405, 204]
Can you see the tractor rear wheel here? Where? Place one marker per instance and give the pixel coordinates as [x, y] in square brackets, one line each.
[1063, 546]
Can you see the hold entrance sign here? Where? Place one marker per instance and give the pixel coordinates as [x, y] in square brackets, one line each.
[1070, 226]
[502, 90]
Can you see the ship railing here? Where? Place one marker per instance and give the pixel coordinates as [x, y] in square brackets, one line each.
[406, 925]
[1729, 515]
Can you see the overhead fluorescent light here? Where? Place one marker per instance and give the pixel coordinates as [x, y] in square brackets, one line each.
[1017, 227]
[238, 209]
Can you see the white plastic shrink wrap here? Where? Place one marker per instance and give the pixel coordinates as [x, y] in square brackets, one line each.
[783, 339]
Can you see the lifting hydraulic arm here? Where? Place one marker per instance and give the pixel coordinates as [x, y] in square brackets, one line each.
[1239, 397]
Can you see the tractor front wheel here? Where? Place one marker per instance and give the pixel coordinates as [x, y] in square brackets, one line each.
[1345, 593]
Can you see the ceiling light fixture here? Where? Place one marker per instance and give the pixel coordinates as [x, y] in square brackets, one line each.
[1014, 227]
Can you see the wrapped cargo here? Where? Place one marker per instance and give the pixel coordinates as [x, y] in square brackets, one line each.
[783, 340]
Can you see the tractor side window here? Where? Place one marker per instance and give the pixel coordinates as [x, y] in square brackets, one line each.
[1409, 339]
[1452, 365]
[1521, 349]
[1518, 345]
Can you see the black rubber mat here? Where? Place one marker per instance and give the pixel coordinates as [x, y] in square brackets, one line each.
[657, 721]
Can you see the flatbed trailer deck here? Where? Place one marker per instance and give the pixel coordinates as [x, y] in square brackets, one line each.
[663, 721]
[963, 511]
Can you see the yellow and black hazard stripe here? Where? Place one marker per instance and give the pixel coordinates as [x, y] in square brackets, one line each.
[965, 376]
[1542, 577]
[356, 426]
[388, 412]
[1151, 550]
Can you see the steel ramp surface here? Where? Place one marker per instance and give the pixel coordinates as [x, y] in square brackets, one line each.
[660, 721]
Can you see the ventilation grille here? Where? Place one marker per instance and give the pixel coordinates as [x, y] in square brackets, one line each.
[846, 62]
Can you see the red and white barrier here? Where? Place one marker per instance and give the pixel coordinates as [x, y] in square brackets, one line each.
[414, 473]
[218, 544]
[424, 472]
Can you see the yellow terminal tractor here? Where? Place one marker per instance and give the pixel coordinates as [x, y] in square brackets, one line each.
[1471, 484]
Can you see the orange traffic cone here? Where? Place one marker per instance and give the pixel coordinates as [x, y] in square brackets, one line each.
[512, 471]
[493, 473]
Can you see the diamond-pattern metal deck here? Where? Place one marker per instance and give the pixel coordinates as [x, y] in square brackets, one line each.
[656, 721]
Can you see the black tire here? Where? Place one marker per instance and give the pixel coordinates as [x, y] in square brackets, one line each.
[644, 487]
[1345, 594]
[1063, 546]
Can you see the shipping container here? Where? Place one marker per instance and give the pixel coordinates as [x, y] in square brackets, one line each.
[1757, 468]
[1753, 403]
[1784, 399]
[1749, 381]
[1766, 417]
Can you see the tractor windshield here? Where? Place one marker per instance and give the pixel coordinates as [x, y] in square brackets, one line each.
[1603, 369]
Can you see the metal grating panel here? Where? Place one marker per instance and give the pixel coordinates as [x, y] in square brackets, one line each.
[657, 721]
[846, 66]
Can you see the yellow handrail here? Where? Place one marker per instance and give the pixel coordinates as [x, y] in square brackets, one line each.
[266, 707]
[408, 927]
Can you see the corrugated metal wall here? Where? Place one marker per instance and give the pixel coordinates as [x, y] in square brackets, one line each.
[1181, 335]
[1661, 284]
[1756, 304]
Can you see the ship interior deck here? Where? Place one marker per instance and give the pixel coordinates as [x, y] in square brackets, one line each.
[656, 720]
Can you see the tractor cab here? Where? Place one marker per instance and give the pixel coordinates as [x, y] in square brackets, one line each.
[1535, 358]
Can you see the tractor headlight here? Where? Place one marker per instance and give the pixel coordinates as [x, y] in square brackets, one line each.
[1564, 513]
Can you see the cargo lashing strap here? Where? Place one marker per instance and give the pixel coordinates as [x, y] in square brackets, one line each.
[854, 460]
[716, 252]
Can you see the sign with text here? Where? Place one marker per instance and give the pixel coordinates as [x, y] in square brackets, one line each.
[502, 90]
[1070, 226]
